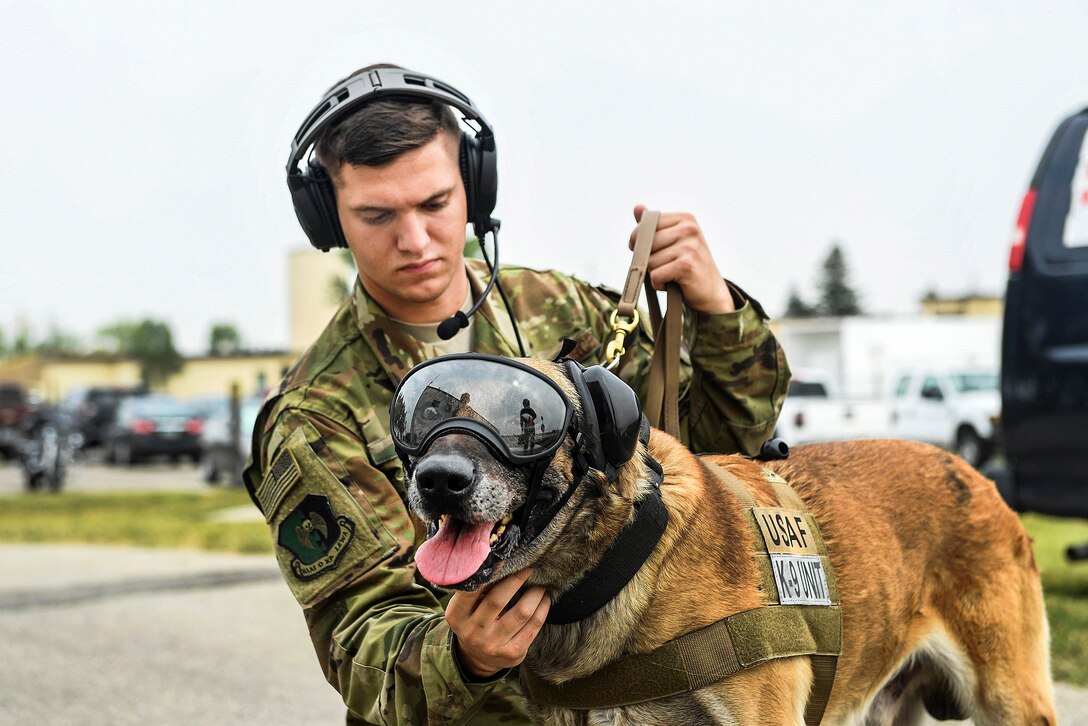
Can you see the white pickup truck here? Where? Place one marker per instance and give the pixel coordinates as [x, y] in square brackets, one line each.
[953, 408]
[814, 411]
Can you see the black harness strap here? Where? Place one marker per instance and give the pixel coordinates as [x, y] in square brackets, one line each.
[620, 563]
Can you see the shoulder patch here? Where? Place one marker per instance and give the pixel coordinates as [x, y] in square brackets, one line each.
[279, 480]
[315, 535]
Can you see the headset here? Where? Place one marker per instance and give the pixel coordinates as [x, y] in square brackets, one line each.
[311, 188]
[312, 191]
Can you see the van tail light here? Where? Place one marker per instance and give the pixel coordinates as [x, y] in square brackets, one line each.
[799, 419]
[142, 426]
[194, 426]
[1020, 234]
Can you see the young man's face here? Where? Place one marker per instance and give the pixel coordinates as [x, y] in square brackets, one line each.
[405, 225]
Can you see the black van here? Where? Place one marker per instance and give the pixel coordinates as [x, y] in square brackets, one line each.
[1044, 351]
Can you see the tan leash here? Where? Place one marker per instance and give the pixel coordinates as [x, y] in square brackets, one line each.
[744, 639]
[662, 404]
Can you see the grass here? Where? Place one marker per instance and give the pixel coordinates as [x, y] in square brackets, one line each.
[186, 520]
[1065, 587]
[145, 519]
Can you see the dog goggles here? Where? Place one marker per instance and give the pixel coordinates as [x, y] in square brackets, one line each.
[518, 410]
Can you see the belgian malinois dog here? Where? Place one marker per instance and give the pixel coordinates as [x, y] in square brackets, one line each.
[941, 604]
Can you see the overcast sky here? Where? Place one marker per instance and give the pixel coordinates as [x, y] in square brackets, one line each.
[143, 143]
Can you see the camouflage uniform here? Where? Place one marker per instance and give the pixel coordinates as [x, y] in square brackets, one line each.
[328, 480]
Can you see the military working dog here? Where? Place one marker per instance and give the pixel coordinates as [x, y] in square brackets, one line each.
[941, 604]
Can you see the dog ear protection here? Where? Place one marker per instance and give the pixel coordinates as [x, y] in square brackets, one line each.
[311, 188]
[612, 413]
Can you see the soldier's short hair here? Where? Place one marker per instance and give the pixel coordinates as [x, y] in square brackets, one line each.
[383, 129]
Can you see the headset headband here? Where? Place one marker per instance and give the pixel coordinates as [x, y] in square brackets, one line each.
[389, 83]
[311, 189]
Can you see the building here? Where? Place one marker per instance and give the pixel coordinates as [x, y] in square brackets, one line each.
[316, 281]
[863, 354]
[973, 305]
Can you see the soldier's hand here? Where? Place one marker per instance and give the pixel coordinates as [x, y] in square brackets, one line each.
[491, 637]
[680, 254]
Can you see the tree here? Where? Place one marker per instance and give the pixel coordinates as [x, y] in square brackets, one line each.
[837, 296]
[23, 342]
[58, 342]
[224, 339]
[796, 307]
[150, 342]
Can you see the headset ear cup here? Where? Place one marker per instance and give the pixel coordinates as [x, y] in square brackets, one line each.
[619, 414]
[468, 156]
[315, 206]
[479, 172]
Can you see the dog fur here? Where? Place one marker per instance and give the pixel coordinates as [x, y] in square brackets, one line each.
[941, 602]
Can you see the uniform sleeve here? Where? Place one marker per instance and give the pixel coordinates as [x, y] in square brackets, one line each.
[345, 543]
[733, 377]
[739, 379]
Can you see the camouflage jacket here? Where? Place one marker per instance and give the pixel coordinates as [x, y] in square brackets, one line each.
[327, 477]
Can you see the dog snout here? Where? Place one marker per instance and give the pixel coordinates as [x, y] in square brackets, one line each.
[443, 478]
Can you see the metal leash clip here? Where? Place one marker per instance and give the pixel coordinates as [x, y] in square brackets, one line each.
[620, 330]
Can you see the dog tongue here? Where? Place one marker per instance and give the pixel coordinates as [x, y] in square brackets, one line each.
[455, 553]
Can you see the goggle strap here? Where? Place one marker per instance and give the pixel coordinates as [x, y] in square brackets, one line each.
[405, 461]
[536, 478]
[580, 469]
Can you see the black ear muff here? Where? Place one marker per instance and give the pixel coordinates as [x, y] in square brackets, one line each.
[479, 172]
[315, 206]
[612, 411]
[619, 414]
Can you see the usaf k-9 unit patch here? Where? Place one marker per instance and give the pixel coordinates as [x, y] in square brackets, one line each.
[316, 536]
[795, 559]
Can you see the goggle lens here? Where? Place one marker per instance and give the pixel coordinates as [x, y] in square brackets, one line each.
[526, 412]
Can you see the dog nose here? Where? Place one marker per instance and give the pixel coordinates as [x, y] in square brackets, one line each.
[442, 475]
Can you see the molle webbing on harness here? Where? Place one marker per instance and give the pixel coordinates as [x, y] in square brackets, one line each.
[697, 659]
[740, 641]
[824, 662]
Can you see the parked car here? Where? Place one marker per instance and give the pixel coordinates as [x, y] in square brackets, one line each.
[1044, 352]
[94, 408]
[956, 408]
[210, 406]
[814, 410]
[148, 426]
[15, 408]
[223, 456]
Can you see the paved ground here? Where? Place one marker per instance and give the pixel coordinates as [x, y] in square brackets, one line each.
[92, 475]
[101, 635]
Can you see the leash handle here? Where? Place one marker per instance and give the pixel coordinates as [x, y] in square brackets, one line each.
[662, 405]
[644, 240]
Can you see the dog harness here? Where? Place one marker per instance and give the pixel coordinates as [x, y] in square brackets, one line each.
[801, 616]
